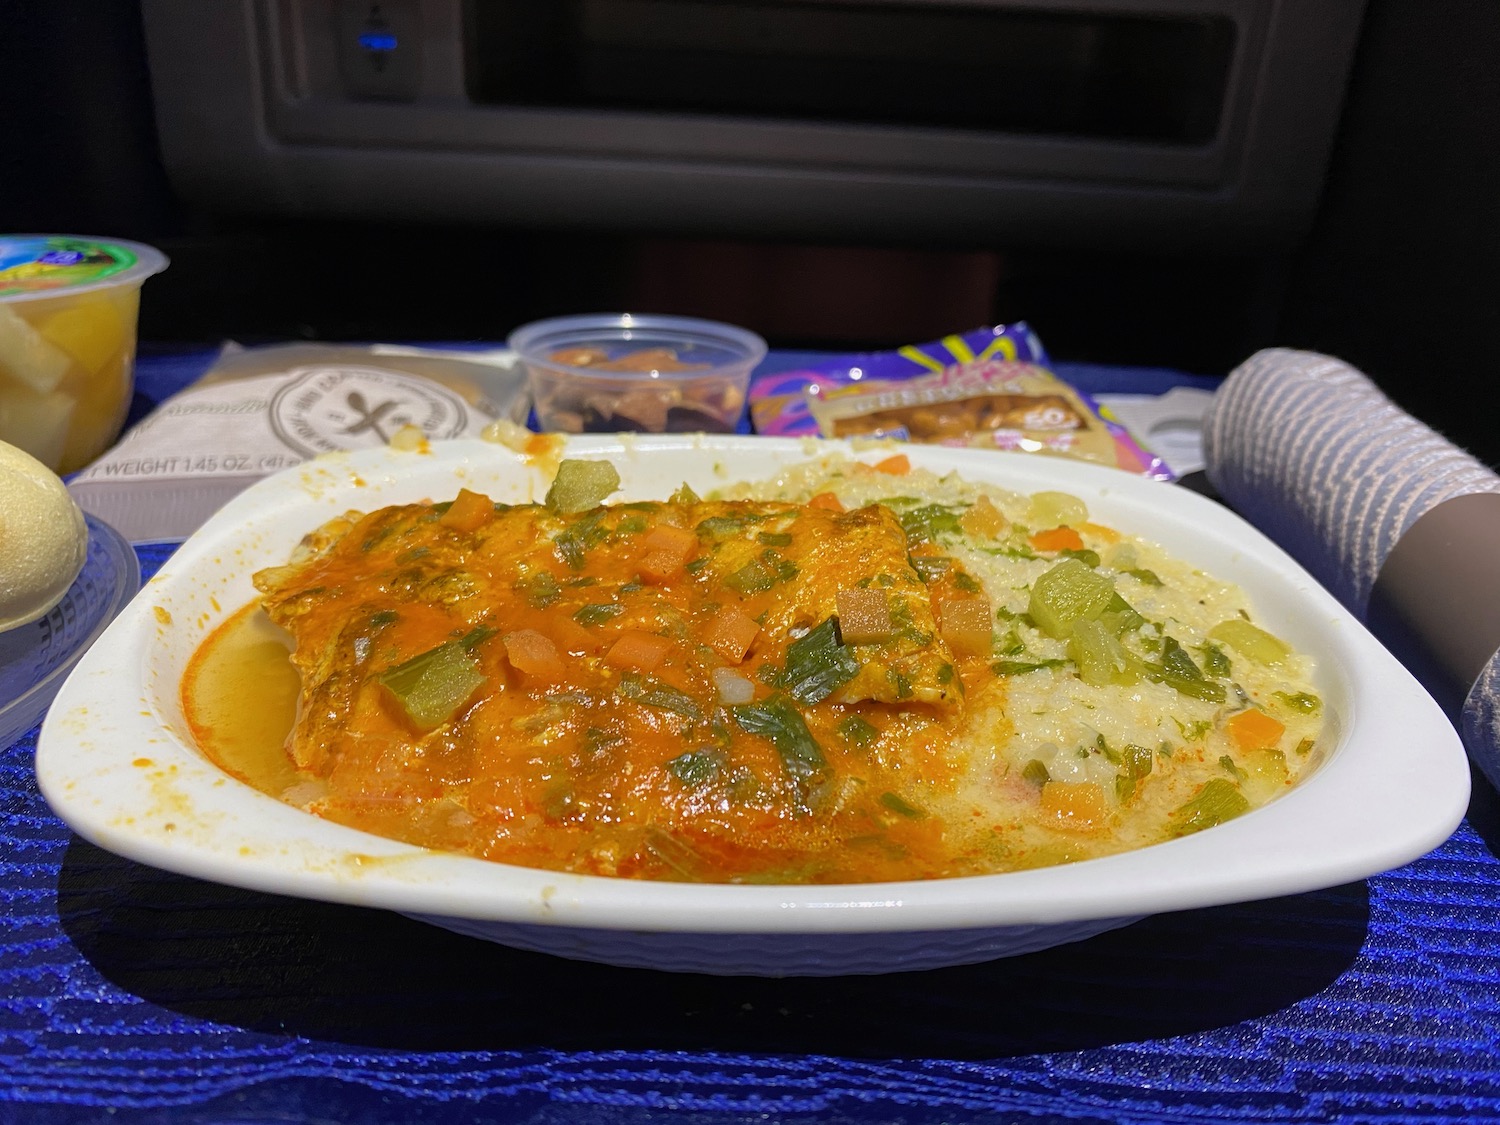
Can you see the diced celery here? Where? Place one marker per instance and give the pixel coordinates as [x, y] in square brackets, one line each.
[1137, 759]
[1251, 642]
[1215, 803]
[1099, 655]
[1068, 593]
[1055, 509]
[581, 485]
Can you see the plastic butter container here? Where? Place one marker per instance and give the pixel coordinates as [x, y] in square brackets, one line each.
[614, 372]
[68, 311]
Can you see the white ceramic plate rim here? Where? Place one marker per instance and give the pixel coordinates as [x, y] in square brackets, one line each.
[114, 761]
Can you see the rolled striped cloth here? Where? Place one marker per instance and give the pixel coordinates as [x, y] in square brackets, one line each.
[1314, 454]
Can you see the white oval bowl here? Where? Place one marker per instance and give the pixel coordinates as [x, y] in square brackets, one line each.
[117, 763]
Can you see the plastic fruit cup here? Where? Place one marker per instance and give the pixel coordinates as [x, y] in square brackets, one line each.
[614, 372]
[68, 310]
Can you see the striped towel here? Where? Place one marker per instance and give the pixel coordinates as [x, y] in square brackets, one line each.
[1313, 453]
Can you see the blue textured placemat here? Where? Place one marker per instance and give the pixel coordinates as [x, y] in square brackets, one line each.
[130, 994]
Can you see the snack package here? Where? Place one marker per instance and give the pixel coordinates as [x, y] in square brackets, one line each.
[990, 388]
[258, 410]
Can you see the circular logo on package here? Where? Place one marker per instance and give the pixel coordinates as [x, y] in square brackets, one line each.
[323, 409]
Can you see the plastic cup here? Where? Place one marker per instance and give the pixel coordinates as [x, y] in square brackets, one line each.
[612, 372]
[68, 312]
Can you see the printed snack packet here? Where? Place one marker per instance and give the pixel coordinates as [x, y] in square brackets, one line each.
[989, 388]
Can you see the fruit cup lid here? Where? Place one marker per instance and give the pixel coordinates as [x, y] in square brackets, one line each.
[50, 265]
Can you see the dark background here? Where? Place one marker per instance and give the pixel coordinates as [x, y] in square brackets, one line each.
[1400, 273]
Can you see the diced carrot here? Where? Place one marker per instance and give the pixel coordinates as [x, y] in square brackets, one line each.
[571, 637]
[827, 501]
[668, 550]
[864, 616]
[731, 633]
[966, 624]
[1254, 730]
[897, 466]
[1075, 804]
[469, 512]
[640, 651]
[1101, 532]
[983, 518]
[534, 654]
[1057, 539]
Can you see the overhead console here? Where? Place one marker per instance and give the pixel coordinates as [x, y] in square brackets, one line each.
[1193, 123]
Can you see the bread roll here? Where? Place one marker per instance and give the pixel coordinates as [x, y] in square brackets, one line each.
[43, 538]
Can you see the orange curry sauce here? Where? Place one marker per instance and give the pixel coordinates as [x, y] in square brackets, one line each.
[652, 690]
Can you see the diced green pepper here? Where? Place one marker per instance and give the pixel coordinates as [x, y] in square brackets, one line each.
[432, 686]
[581, 485]
[1068, 593]
[752, 578]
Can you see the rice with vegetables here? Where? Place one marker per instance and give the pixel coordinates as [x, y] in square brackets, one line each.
[848, 673]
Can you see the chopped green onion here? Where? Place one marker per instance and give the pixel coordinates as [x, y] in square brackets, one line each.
[1035, 772]
[818, 664]
[698, 767]
[857, 732]
[1303, 701]
[663, 697]
[782, 725]
[573, 544]
[930, 568]
[1229, 766]
[540, 588]
[774, 539]
[900, 807]
[720, 527]
[1215, 663]
[930, 521]
[1021, 667]
[596, 613]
